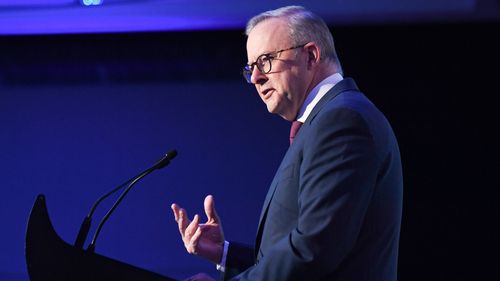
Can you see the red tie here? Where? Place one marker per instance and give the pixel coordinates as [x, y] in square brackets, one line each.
[294, 129]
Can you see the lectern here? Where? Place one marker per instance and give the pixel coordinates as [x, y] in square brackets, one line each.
[49, 258]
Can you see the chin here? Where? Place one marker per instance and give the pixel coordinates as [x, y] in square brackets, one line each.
[271, 108]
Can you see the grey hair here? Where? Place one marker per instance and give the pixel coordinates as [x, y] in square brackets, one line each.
[304, 27]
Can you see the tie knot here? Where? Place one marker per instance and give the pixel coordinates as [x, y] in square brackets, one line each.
[294, 129]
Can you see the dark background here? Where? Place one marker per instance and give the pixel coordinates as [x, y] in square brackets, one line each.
[80, 113]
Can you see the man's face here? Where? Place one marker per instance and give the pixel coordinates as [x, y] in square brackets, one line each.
[284, 89]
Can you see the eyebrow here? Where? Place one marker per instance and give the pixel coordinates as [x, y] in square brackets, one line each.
[266, 53]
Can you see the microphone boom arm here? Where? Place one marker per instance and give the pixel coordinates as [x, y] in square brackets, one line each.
[91, 247]
[158, 165]
[85, 227]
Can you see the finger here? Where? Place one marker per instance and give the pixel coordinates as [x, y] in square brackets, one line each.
[209, 205]
[192, 227]
[194, 241]
[191, 242]
[183, 221]
[175, 210]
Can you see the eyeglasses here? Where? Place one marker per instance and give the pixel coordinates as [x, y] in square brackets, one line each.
[263, 63]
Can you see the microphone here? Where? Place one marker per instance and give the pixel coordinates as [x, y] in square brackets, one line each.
[85, 227]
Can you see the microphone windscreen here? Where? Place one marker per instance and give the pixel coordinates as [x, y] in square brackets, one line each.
[171, 154]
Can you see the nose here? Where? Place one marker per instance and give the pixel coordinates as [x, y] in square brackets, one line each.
[258, 77]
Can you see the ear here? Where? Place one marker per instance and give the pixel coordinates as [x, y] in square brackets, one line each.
[313, 54]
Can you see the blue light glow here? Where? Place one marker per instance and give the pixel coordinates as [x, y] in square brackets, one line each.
[76, 16]
[92, 2]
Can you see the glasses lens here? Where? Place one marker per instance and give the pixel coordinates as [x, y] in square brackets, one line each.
[264, 63]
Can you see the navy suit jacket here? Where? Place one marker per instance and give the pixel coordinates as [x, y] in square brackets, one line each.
[333, 210]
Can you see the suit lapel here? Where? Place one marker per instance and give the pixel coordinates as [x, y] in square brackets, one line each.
[344, 85]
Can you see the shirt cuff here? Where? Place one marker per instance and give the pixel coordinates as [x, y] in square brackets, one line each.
[222, 265]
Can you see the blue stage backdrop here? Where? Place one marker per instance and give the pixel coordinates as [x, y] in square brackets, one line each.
[87, 100]
[74, 143]
[73, 16]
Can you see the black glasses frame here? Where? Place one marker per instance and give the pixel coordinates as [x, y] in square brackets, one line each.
[263, 63]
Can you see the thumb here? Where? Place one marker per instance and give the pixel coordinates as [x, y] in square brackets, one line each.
[209, 205]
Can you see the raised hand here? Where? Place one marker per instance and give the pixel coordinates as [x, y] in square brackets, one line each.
[205, 240]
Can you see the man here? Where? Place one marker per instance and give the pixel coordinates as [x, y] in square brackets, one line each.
[333, 210]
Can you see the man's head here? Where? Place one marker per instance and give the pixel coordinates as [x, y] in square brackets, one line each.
[290, 50]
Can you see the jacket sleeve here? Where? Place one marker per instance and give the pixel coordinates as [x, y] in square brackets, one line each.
[239, 258]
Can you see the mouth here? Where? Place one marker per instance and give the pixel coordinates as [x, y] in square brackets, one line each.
[267, 93]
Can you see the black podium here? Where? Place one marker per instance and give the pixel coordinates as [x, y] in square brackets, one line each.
[49, 258]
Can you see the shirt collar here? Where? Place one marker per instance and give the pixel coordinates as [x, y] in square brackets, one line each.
[316, 94]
